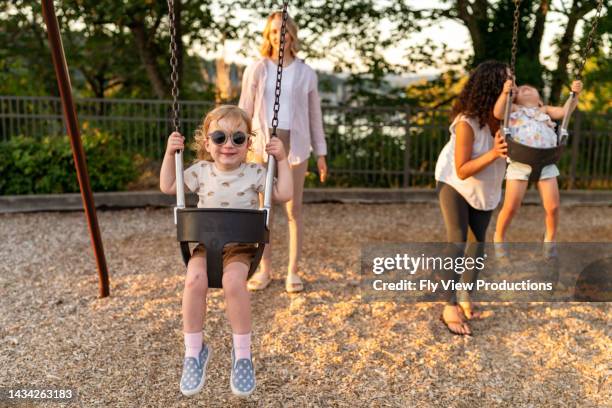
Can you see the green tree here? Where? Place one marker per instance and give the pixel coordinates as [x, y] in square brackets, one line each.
[24, 40]
[111, 46]
[489, 24]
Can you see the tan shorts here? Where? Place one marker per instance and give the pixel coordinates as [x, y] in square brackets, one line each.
[242, 253]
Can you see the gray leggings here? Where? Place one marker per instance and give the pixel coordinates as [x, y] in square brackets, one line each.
[459, 219]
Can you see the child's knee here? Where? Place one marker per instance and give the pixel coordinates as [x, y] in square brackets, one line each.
[552, 209]
[512, 209]
[196, 279]
[234, 279]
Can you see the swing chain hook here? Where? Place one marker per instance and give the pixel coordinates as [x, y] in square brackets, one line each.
[585, 53]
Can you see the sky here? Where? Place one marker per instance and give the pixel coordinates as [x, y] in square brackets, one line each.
[452, 33]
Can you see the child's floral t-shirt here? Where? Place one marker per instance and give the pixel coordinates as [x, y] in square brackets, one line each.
[532, 127]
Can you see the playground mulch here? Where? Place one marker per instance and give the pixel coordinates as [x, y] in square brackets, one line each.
[323, 347]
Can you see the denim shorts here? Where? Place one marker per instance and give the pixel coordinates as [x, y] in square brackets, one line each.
[521, 171]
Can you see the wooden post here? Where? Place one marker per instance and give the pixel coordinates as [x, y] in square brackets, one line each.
[72, 126]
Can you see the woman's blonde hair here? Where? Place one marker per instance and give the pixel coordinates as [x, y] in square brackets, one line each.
[220, 112]
[266, 48]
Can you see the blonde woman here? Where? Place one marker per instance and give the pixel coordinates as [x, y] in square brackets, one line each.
[300, 127]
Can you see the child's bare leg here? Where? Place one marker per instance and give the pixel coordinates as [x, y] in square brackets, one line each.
[237, 298]
[197, 354]
[238, 307]
[194, 295]
[549, 192]
[515, 191]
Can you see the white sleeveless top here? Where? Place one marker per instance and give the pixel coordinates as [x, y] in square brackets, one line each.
[482, 190]
[286, 96]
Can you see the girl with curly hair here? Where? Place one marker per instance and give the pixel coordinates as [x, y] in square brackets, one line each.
[469, 175]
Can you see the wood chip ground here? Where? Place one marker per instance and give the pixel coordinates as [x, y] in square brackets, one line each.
[321, 348]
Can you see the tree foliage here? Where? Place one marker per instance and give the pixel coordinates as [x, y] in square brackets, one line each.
[120, 48]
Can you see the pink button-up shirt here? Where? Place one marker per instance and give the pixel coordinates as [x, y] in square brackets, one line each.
[306, 118]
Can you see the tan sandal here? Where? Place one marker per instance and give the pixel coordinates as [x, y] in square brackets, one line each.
[259, 281]
[293, 283]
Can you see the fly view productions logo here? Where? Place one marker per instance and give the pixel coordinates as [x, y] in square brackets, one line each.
[527, 272]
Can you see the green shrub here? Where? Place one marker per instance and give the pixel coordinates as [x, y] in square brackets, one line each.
[33, 165]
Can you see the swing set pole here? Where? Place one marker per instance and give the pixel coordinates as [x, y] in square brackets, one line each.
[72, 126]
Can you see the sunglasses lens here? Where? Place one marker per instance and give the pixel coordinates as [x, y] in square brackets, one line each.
[239, 138]
[218, 137]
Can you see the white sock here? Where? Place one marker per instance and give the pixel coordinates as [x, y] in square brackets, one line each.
[193, 344]
[242, 345]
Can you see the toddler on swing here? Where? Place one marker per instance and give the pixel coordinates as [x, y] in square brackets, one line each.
[531, 124]
[222, 179]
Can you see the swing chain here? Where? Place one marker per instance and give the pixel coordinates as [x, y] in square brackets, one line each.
[174, 64]
[279, 69]
[585, 53]
[515, 28]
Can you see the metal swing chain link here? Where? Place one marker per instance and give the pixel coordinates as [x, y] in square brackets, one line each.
[279, 75]
[563, 135]
[585, 53]
[178, 156]
[279, 69]
[174, 64]
[515, 28]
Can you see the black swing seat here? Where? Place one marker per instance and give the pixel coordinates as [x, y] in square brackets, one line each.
[536, 157]
[216, 227]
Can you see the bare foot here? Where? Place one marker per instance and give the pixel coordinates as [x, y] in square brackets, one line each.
[452, 317]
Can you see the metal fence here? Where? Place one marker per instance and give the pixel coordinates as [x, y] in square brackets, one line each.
[367, 146]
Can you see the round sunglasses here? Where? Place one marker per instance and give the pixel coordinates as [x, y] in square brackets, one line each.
[219, 137]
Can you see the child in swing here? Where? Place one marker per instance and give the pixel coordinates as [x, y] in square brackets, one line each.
[532, 125]
[222, 179]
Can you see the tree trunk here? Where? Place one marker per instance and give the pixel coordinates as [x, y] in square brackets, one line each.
[535, 40]
[560, 75]
[474, 23]
[148, 57]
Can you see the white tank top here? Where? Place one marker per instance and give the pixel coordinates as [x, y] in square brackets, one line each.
[482, 190]
[286, 96]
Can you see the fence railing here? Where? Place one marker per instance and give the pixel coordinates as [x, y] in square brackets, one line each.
[367, 146]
